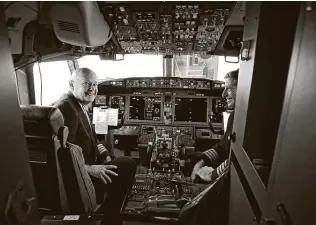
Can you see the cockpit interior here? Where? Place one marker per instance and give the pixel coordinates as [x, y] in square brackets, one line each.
[164, 119]
[161, 70]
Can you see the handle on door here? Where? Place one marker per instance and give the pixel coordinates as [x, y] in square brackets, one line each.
[283, 214]
[285, 217]
[232, 137]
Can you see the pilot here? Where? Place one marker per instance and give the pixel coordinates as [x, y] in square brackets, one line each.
[113, 177]
[216, 157]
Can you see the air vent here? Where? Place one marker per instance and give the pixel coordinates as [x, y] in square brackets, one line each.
[67, 26]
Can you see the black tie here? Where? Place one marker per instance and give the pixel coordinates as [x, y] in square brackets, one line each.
[88, 118]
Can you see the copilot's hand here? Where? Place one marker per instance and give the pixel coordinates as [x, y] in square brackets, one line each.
[205, 173]
[108, 158]
[196, 168]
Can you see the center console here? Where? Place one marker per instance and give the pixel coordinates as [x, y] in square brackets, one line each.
[164, 189]
[157, 194]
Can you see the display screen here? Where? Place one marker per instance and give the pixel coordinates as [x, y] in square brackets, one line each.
[145, 108]
[219, 105]
[190, 110]
[118, 102]
[100, 100]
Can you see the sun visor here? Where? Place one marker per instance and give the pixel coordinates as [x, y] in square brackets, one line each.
[80, 23]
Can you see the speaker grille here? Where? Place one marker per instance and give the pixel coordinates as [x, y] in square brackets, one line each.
[67, 26]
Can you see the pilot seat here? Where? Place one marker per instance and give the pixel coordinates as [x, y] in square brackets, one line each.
[63, 186]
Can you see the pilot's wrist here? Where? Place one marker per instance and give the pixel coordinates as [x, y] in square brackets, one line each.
[89, 169]
[102, 150]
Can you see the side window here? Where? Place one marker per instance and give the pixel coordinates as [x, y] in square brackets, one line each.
[225, 67]
[51, 80]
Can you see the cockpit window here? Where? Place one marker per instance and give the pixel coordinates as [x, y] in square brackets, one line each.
[195, 66]
[52, 82]
[133, 65]
[213, 67]
[54, 77]
[138, 65]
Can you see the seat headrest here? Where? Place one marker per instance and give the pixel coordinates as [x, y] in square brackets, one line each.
[43, 116]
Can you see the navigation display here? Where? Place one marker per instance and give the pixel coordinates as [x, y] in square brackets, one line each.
[145, 108]
[190, 110]
[100, 100]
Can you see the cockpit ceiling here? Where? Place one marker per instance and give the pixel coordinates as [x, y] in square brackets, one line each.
[165, 28]
[168, 28]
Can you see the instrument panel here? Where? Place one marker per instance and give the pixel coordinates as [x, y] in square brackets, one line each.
[166, 119]
[179, 135]
[168, 28]
[145, 108]
[159, 194]
[163, 100]
[118, 102]
[153, 107]
[169, 83]
[190, 109]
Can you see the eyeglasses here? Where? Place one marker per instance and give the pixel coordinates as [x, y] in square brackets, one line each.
[89, 84]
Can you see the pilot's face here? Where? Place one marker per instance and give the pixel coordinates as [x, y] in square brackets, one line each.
[230, 92]
[85, 87]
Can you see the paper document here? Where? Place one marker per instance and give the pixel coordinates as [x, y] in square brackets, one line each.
[99, 119]
[104, 117]
[112, 117]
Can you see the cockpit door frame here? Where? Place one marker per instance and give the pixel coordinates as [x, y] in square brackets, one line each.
[260, 95]
[17, 193]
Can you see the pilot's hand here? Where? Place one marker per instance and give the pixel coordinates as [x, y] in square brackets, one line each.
[196, 168]
[205, 173]
[102, 172]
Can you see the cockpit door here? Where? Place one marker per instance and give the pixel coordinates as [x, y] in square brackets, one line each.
[268, 38]
[292, 186]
